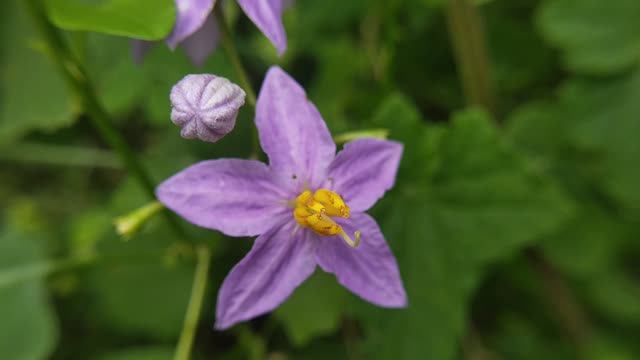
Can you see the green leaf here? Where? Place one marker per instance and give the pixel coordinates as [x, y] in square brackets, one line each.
[25, 312]
[599, 272]
[332, 100]
[596, 37]
[119, 83]
[587, 139]
[464, 201]
[32, 95]
[143, 295]
[589, 136]
[140, 19]
[520, 338]
[313, 310]
[615, 295]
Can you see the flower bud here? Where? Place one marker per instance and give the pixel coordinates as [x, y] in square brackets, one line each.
[205, 106]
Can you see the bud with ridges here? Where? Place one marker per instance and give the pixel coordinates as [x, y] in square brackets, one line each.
[205, 106]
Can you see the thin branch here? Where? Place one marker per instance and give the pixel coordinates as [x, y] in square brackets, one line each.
[472, 57]
[77, 79]
[234, 56]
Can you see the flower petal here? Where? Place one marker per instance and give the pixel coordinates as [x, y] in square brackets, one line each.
[364, 170]
[201, 43]
[278, 262]
[267, 15]
[292, 132]
[191, 14]
[370, 270]
[236, 197]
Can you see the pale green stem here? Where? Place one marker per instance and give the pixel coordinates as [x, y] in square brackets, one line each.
[185, 343]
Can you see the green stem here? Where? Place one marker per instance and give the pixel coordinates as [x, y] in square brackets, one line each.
[77, 79]
[185, 343]
[234, 57]
[233, 54]
[62, 155]
[471, 54]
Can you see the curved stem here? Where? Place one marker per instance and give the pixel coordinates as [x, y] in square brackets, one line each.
[185, 343]
[234, 57]
[77, 79]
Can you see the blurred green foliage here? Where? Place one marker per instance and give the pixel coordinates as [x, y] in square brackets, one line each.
[554, 167]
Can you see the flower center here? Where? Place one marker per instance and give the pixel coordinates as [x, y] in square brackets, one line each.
[314, 211]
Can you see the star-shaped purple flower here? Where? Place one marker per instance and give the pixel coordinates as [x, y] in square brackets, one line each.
[304, 206]
[197, 31]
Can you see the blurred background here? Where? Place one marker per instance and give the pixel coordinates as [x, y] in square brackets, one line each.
[514, 219]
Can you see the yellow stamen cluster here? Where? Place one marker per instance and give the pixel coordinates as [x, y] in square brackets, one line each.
[314, 211]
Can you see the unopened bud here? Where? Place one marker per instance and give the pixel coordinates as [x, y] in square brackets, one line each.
[205, 106]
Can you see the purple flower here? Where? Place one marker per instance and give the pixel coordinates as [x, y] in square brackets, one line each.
[205, 106]
[304, 205]
[197, 31]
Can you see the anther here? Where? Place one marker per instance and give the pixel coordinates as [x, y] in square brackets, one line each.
[333, 202]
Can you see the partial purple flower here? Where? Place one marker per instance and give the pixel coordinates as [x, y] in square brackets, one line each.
[197, 31]
[205, 106]
[307, 207]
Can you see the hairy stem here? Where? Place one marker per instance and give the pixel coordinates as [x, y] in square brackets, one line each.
[234, 57]
[77, 79]
[185, 343]
[471, 54]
